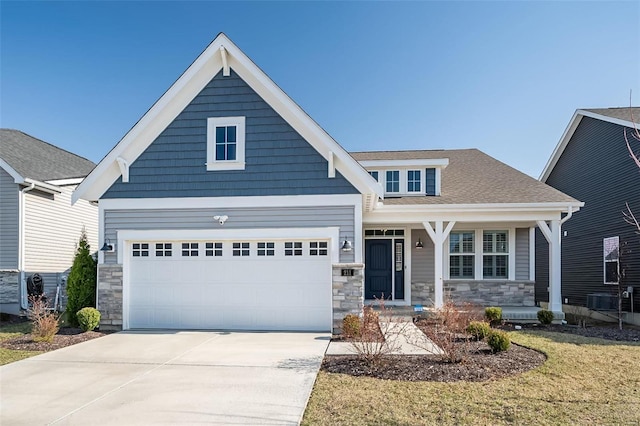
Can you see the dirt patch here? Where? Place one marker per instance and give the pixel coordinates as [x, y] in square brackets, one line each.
[66, 337]
[629, 333]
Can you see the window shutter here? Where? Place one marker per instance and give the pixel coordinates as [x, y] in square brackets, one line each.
[430, 176]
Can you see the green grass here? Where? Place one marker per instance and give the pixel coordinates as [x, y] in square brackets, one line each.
[584, 381]
[13, 330]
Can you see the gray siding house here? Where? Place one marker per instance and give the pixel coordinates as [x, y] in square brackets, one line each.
[227, 207]
[592, 163]
[39, 227]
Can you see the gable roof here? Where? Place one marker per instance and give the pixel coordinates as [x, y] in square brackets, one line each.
[620, 116]
[473, 177]
[222, 54]
[31, 158]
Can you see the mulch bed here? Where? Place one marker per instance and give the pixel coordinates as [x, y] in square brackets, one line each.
[479, 364]
[66, 337]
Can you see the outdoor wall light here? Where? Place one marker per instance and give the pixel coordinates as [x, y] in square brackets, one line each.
[221, 219]
[419, 244]
[107, 247]
[346, 246]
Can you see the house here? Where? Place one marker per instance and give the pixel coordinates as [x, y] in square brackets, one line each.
[39, 228]
[592, 163]
[226, 206]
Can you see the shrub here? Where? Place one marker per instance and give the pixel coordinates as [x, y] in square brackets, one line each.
[81, 284]
[545, 316]
[45, 323]
[351, 326]
[88, 318]
[493, 314]
[479, 329]
[498, 341]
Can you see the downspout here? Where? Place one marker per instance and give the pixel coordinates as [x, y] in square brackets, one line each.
[568, 216]
[23, 284]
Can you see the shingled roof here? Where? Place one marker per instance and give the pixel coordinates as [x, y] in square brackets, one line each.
[624, 113]
[36, 159]
[473, 177]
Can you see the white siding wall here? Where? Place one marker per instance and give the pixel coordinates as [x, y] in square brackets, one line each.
[8, 222]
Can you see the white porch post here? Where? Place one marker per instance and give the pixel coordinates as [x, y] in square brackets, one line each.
[553, 237]
[438, 236]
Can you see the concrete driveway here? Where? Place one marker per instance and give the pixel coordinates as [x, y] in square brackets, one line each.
[166, 377]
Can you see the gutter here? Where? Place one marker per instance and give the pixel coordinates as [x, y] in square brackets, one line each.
[21, 249]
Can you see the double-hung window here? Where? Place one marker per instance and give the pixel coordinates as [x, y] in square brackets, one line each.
[495, 257]
[461, 255]
[225, 143]
[393, 181]
[414, 181]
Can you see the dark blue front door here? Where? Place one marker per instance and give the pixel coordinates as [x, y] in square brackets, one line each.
[378, 269]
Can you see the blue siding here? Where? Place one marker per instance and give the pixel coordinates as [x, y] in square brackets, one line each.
[278, 160]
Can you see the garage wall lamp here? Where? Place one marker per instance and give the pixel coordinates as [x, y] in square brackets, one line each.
[107, 247]
[221, 219]
[346, 246]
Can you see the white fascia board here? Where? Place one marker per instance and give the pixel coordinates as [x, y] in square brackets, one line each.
[184, 90]
[65, 182]
[495, 207]
[431, 162]
[44, 187]
[17, 178]
[568, 134]
[376, 217]
[231, 202]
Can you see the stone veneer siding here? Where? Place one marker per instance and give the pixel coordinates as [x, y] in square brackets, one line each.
[348, 293]
[110, 296]
[9, 288]
[484, 293]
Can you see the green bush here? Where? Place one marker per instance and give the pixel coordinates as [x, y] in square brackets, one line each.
[88, 318]
[498, 341]
[351, 326]
[81, 284]
[545, 316]
[479, 329]
[493, 314]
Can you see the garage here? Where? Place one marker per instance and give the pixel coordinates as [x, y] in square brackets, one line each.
[231, 284]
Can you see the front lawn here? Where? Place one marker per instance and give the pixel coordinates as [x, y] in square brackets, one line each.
[14, 330]
[584, 381]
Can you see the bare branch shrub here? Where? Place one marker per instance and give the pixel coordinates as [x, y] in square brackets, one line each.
[634, 136]
[45, 322]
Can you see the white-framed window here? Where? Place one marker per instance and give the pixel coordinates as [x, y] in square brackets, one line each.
[318, 248]
[293, 248]
[240, 249]
[392, 181]
[213, 249]
[375, 174]
[189, 249]
[414, 181]
[461, 254]
[225, 143]
[140, 250]
[163, 249]
[266, 248]
[495, 254]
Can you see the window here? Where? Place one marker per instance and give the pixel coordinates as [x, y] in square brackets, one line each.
[374, 174]
[241, 249]
[461, 255]
[163, 249]
[225, 143]
[318, 248]
[293, 248]
[393, 180]
[189, 249]
[414, 183]
[140, 250]
[266, 249]
[383, 232]
[495, 259]
[213, 249]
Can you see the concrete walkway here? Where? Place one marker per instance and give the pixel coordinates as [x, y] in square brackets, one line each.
[171, 377]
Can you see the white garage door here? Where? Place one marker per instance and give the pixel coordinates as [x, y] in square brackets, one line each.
[233, 285]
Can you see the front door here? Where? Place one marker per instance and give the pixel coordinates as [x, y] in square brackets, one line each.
[378, 269]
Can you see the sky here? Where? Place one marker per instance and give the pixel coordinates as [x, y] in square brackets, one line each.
[503, 77]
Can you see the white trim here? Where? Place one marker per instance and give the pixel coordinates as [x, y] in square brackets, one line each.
[433, 162]
[123, 165]
[65, 182]
[438, 182]
[183, 91]
[359, 233]
[331, 172]
[44, 187]
[212, 162]
[532, 254]
[232, 202]
[226, 71]
[408, 265]
[484, 207]
[568, 134]
[512, 254]
[17, 177]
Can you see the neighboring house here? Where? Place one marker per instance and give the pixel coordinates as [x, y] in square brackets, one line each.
[228, 207]
[39, 228]
[592, 163]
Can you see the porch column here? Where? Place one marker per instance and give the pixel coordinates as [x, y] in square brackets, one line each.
[438, 236]
[552, 234]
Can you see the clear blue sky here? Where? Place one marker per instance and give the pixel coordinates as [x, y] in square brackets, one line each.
[504, 77]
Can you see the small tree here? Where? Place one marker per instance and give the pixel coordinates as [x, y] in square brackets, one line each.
[81, 284]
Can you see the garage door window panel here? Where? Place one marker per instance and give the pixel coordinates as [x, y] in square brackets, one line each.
[318, 248]
[213, 249]
[140, 250]
[293, 248]
[189, 249]
[241, 249]
[266, 248]
[164, 250]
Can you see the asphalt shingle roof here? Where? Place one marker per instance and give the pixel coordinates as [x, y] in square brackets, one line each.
[624, 113]
[35, 159]
[472, 177]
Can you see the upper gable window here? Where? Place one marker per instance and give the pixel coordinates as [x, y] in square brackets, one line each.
[374, 174]
[414, 181]
[393, 180]
[225, 143]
